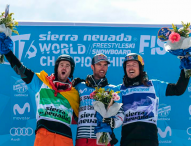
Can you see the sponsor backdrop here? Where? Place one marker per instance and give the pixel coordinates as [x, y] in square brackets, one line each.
[38, 46]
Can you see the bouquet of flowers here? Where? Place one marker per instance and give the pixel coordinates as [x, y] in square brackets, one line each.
[106, 108]
[179, 44]
[7, 26]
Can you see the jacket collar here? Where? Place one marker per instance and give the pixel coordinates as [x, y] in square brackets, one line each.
[91, 82]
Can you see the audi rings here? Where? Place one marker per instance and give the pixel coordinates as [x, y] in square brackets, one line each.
[25, 131]
[189, 131]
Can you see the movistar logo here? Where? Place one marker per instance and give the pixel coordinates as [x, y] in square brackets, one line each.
[190, 109]
[129, 90]
[82, 91]
[20, 110]
[86, 90]
[164, 134]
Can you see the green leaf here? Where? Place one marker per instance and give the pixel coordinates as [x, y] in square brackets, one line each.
[9, 22]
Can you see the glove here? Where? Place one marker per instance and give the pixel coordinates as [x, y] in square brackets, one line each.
[6, 44]
[109, 121]
[113, 139]
[2, 36]
[76, 81]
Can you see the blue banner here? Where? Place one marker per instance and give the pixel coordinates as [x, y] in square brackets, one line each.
[38, 47]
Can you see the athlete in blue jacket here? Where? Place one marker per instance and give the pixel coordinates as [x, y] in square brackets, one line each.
[55, 97]
[87, 120]
[140, 102]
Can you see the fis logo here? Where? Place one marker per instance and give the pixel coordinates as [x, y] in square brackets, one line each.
[164, 134]
[20, 110]
[19, 44]
[151, 42]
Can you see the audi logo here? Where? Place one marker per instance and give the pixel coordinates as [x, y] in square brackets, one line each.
[21, 131]
[189, 131]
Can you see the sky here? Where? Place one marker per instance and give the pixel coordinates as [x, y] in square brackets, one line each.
[101, 11]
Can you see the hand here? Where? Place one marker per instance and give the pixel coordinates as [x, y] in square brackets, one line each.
[76, 81]
[113, 139]
[109, 121]
[6, 44]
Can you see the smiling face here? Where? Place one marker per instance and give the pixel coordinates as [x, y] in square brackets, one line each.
[99, 69]
[132, 69]
[64, 70]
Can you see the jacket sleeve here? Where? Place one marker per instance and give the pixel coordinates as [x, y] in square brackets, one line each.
[25, 73]
[178, 88]
[119, 118]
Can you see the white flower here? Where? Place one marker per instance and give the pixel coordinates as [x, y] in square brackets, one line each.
[2, 17]
[105, 94]
[180, 29]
